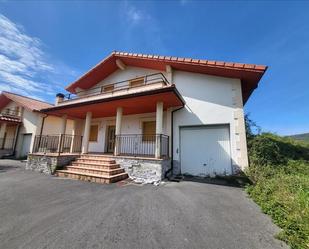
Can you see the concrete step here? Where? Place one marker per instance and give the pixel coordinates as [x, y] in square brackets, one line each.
[100, 157]
[96, 160]
[104, 172]
[91, 177]
[95, 165]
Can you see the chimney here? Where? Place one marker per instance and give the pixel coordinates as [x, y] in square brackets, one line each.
[59, 98]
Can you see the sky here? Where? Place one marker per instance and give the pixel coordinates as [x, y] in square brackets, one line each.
[46, 45]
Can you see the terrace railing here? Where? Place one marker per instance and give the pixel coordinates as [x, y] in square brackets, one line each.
[142, 145]
[62, 143]
[11, 113]
[125, 85]
[127, 145]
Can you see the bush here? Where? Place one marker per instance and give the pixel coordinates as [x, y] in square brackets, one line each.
[279, 170]
[270, 149]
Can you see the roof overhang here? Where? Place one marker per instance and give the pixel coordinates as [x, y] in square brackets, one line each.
[135, 103]
[4, 101]
[249, 74]
[9, 120]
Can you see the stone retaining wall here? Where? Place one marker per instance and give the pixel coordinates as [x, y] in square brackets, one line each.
[143, 169]
[48, 163]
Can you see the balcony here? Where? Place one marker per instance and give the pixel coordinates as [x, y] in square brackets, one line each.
[130, 86]
[10, 115]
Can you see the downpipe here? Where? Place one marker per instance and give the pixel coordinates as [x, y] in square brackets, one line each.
[172, 145]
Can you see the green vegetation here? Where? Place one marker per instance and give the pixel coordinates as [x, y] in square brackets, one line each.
[302, 137]
[279, 171]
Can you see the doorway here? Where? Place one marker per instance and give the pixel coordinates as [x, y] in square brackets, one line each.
[110, 139]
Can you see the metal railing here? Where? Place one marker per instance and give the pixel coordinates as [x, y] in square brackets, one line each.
[144, 80]
[62, 143]
[7, 143]
[129, 145]
[11, 113]
[142, 145]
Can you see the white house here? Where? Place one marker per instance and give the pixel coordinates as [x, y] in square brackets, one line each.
[154, 115]
[21, 120]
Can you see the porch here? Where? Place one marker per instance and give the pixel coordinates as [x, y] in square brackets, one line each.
[131, 131]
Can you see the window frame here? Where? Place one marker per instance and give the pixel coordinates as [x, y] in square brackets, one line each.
[135, 82]
[97, 133]
[144, 135]
[105, 88]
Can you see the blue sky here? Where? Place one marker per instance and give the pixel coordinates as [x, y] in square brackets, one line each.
[46, 45]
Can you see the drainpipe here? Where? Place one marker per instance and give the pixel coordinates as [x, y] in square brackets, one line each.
[16, 140]
[41, 130]
[172, 145]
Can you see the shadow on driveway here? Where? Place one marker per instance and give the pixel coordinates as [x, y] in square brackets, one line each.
[8, 164]
[231, 181]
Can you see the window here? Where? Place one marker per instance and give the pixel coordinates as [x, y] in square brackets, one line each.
[94, 133]
[137, 82]
[149, 130]
[108, 88]
[17, 110]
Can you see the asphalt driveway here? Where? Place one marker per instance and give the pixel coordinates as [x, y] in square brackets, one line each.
[39, 211]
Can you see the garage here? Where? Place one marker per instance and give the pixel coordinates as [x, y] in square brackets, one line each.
[205, 150]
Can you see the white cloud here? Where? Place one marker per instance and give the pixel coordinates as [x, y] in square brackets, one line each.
[25, 67]
[134, 15]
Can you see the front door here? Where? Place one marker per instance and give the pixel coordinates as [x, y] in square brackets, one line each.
[110, 138]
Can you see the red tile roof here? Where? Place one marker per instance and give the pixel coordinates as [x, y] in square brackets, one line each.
[249, 74]
[9, 119]
[28, 103]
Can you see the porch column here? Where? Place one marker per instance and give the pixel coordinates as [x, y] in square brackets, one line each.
[73, 136]
[62, 131]
[118, 130]
[2, 133]
[86, 133]
[63, 124]
[159, 128]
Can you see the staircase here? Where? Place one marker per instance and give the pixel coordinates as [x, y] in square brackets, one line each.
[94, 168]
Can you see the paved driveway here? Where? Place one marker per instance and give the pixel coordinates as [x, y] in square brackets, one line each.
[39, 211]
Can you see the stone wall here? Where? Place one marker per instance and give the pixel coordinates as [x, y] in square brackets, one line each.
[48, 163]
[144, 170]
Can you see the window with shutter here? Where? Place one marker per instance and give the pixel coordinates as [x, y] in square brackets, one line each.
[149, 130]
[108, 88]
[137, 82]
[94, 129]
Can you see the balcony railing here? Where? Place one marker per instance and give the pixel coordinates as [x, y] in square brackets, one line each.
[125, 86]
[62, 143]
[11, 113]
[142, 145]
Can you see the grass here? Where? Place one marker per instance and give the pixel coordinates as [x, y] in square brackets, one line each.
[279, 171]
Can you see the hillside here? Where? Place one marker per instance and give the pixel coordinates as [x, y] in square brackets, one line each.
[302, 137]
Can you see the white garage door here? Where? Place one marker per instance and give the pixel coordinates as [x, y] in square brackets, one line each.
[205, 150]
[25, 149]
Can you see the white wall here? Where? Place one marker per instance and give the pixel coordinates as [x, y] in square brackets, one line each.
[209, 101]
[52, 125]
[30, 121]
